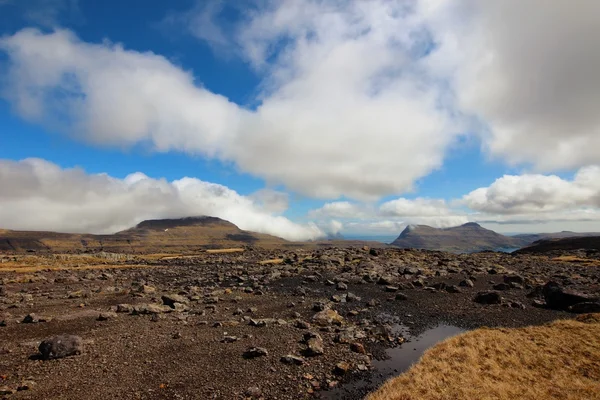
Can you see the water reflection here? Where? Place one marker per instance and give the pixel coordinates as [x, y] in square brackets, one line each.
[398, 361]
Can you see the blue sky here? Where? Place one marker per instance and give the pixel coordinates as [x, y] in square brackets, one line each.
[299, 119]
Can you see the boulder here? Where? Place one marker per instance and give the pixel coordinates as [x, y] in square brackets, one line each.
[60, 346]
[327, 317]
[171, 299]
[488, 297]
[292, 359]
[559, 299]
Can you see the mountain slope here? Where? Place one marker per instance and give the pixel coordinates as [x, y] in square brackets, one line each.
[568, 244]
[151, 236]
[469, 237]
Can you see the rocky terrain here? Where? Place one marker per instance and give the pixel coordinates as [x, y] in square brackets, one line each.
[255, 322]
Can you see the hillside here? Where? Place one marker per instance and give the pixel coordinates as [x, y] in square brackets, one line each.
[151, 236]
[466, 238]
[590, 244]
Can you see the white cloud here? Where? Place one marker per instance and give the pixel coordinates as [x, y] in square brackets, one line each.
[271, 200]
[39, 195]
[536, 194]
[530, 71]
[340, 209]
[419, 207]
[345, 110]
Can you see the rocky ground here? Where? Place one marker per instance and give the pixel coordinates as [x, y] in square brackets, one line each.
[260, 323]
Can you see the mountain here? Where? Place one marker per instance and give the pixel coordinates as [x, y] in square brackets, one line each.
[566, 244]
[534, 237]
[466, 238]
[151, 236]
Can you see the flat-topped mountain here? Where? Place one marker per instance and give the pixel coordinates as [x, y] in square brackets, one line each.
[150, 236]
[466, 238]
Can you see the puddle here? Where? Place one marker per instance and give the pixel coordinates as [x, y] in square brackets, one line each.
[399, 360]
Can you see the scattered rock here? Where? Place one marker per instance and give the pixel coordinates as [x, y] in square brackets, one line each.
[391, 288]
[34, 319]
[254, 352]
[171, 299]
[453, 289]
[327, 317]
[559, 299]
[341, 286]
[292, 359]
[60, 346]
[401, 296]
[488, 297]
[342, 368]
[358, 348]
[466, 283]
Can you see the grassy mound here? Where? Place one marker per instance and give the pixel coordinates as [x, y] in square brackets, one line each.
[560, 360]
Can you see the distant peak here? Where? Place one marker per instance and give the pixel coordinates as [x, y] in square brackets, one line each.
[472, 224]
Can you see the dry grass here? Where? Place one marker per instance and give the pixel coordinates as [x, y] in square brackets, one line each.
[560, 360]
[273, 261]
[589, 262]
[232, 250]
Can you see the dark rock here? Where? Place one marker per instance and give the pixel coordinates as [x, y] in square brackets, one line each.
[501, 286]
[302, 324]
[358, 348]
[352, 297]
[33, 319]
[585, 307]
[341, 286]
[171, 299]
[488, 297]
[514, 279]
[439, 286]
[559, 299]
[292, 359]
[60, 346]
[466, 283]
[410, 271]
[254, 352]
[384, 280]
[391, 288]
[453, 289]
[401, 296]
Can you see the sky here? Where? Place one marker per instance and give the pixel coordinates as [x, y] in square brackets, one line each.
[300, 118]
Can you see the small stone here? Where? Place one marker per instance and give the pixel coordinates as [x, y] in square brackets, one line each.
[229, 339]
[391, 289]
[254, 352]
[358, 348]
[105, 316]
[401, 296]
[314, 346]
[253, 392]
[26, 385]
[453, 289]
[341, 286]
[466, 283]
[292, 359]
[342, 368]
[302, 324]
[327, 317]
[124, 308]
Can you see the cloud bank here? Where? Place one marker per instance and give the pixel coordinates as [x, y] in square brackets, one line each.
[39, 195]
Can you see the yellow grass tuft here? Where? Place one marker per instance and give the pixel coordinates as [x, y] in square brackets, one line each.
[560, 360]
[590, 262]
[273, 261]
